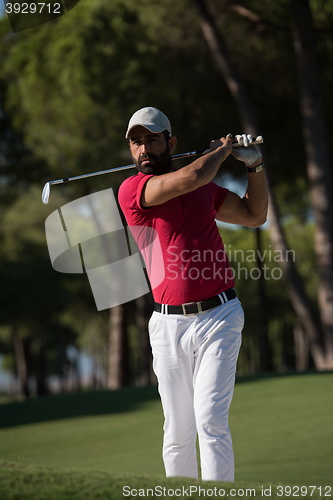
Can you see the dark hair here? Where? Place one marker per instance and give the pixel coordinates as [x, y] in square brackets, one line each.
[167, 136]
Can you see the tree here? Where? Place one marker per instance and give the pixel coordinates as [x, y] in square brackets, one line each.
[296, 288]
[75, 90]
[33, 297]
[71, 85]
[319, 169]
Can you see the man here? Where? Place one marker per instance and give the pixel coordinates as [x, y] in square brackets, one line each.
[195, 329]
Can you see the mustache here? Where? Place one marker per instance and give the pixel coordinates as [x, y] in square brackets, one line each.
[160, 164]
[146, 156]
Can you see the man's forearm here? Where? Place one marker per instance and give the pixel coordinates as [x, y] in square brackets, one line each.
[161, 188]
[256, 196]
[208, 165]
[204, 169]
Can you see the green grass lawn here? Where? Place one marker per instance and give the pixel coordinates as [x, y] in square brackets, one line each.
[282, 430]
[116, 431]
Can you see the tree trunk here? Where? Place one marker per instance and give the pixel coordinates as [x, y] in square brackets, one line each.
[299, 299]
[301, 349]
[42, 388]
[21, 365]
[119, 375]
[143, 312]
[265, 353]
[318, 164]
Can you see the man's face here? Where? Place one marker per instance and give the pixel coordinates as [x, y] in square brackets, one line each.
[150, 152]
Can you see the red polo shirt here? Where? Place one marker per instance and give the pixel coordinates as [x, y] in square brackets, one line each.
[195, 262]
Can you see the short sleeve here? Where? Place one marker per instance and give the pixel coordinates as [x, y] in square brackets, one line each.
[141, 185]
[219, 195]
[129, 196]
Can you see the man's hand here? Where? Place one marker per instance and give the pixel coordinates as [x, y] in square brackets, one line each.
[251, 210]
[248, 154]
[225, 142]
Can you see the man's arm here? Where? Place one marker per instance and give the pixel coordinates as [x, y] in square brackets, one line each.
[162, 188]
[251, 210]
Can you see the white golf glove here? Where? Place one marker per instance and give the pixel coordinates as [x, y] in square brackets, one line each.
[248, 154]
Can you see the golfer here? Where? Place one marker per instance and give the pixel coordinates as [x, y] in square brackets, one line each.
[195, 329]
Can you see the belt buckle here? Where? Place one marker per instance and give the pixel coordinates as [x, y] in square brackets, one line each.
[198, 304]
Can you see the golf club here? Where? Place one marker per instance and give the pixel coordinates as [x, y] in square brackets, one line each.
[47, 188]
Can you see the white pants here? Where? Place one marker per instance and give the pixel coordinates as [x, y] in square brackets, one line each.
[195, 363]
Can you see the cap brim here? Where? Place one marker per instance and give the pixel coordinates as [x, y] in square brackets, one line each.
[156, 129]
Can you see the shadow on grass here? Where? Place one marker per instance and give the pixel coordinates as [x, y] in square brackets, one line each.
[75, 405]
[98, 403]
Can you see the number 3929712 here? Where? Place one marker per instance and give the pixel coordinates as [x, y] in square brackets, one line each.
[32, 8]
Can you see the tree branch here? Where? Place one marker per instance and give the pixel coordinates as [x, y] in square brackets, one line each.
[262, 23]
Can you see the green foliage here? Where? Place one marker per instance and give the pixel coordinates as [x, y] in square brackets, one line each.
[33, 295]
[67, 90]
[93, 68]
[241, 247]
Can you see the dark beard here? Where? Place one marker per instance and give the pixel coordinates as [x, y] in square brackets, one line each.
[162, 164]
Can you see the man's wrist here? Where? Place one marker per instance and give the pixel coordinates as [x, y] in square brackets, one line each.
[256, 169]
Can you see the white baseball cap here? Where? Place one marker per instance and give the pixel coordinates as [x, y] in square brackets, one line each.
[151, 118]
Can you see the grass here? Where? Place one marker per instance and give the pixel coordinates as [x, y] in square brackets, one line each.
[115, 431]
[282, 429]
[41, 483]
[89, 445]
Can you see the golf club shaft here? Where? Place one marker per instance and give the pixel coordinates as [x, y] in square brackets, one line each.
[47, 187]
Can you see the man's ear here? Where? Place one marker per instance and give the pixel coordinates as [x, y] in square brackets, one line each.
[172, 143]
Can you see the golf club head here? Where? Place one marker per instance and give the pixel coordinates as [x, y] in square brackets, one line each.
[46, 193]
